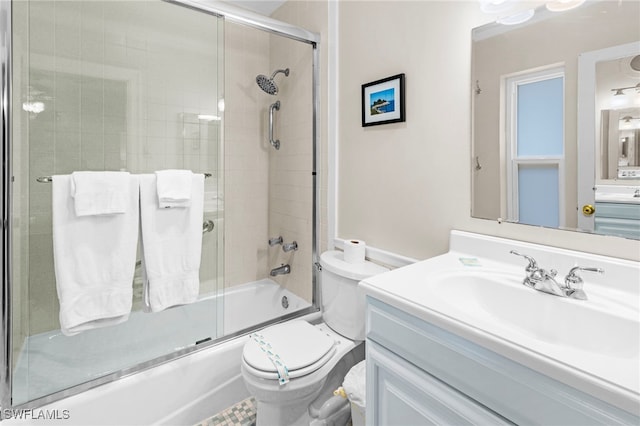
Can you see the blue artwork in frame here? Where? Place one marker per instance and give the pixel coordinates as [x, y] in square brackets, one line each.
[383, 101]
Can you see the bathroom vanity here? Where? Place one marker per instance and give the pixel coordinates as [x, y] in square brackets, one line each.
[458, 339]
[617, 210]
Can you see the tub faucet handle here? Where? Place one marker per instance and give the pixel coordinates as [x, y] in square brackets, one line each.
[290, 246]
[275, 241]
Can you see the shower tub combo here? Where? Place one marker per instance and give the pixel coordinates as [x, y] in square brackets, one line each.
[183, 391]
[181, 365]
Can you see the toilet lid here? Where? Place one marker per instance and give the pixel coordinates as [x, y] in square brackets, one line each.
[298, 344]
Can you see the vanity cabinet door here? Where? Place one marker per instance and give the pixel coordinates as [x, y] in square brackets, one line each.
[483, 377]
[399, 393]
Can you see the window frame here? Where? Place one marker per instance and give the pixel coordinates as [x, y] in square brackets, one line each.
[514, 161]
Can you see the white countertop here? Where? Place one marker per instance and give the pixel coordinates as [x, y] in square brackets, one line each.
[617, 194]
[569, 349]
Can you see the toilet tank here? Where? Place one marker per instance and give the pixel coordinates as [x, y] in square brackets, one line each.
[342, 302]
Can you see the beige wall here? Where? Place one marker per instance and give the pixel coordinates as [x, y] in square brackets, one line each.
[403, 187]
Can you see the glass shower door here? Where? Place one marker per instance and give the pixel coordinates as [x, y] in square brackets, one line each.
[124, 86]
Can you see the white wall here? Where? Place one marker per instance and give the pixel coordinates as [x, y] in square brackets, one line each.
[402, 187]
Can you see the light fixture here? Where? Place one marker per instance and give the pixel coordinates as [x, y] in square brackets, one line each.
[620, 98]
[495, 6]
[509, 12]
[34, 107]
[620, 91]
[563, 5]
[208, 117]
[628, 122]
[517, 18]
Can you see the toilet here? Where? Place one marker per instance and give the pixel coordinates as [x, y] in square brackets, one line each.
[292, 368]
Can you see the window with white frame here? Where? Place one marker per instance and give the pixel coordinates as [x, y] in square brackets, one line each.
[535, 147]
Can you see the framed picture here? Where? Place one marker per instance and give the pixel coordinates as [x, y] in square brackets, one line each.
[383, 101]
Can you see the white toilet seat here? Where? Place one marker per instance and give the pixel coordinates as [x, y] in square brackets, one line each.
[272, 375]
[301, 347]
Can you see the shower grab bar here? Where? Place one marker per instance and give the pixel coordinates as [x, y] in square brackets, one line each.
[274, 143]
[49, 179]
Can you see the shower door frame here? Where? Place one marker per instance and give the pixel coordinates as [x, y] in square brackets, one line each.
[5, 181]
[227, 12]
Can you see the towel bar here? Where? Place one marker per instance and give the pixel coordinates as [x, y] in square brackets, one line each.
[207, 226]
[48, 179]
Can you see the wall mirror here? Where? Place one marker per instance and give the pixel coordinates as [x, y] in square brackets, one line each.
[556, 119]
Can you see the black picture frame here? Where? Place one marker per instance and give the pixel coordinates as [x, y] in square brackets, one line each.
[383, 101]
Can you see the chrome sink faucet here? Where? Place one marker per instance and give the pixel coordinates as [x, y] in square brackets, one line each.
[543, 280]
[538, 278]
[573, 283]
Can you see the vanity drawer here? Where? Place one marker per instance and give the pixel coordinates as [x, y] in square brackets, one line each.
[515, 392]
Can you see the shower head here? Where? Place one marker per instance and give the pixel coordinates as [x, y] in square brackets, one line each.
[267, 84]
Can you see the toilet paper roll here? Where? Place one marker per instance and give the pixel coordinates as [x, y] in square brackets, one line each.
[354, 251]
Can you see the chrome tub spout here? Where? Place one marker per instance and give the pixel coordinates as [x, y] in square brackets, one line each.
[281, 270]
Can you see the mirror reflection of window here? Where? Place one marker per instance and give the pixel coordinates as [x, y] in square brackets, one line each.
[579, 39]
[535, 147]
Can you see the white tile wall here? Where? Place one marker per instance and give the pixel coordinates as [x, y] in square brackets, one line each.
[246, 155]
[291, 199]
[268, 192]
[122, 91]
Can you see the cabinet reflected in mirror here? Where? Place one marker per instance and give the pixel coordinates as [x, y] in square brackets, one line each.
[527, 151]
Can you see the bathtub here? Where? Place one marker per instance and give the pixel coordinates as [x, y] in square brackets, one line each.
[181, 391]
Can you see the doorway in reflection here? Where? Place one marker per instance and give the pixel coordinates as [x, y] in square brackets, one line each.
[534, 117]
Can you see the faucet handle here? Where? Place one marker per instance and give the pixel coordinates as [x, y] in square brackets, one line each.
[286, 247]
[532, 266]
[574, 281]
[275, 241]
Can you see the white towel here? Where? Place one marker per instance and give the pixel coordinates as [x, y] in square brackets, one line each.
[174, 188]
[97, 193]
[171, 246]
[94, 258]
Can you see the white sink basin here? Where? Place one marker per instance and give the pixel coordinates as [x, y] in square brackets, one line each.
[500, 302]
[475, 291]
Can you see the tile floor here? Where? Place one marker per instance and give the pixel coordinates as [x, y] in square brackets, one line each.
[241, 414]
